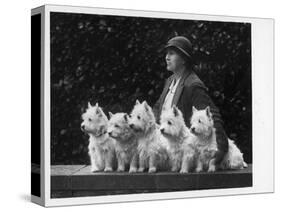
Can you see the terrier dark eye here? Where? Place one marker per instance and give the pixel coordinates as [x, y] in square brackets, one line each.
[170, 123]
[90, 119]
[116, 125]
[199, 121]
[138, 117]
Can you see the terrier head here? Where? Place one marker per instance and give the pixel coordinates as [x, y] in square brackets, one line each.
[94, 121]
[118, 126]
[201, 122]
[142, 117]
[172, 123]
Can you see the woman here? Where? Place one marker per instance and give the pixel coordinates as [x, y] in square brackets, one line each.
[184, 89]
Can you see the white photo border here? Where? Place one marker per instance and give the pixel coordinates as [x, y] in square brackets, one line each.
[262, 108]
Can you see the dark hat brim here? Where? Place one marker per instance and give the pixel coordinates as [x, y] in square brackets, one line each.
[189, 58]
[179, 48]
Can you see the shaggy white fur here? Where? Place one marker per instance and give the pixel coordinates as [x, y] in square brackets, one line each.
[202, 125]
[126, 142]
[151, 151]
[181, 143]
[101, 146]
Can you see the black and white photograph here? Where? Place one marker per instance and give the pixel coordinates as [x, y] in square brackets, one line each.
[149, 104]
[136, 103]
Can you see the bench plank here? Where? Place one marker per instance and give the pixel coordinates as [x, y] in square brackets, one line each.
[61, 177]
[69, 181]
[62, 170]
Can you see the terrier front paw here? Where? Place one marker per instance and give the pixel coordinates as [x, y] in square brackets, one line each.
[152, 170]
[199, 169]
[108, 169]
[183, 171]
[94, 169]
[121, 169]
[174, 169]
[141, 169]
[212, 168]
[133, 170]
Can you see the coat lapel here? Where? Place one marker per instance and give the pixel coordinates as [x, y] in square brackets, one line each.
[165, 91]
[180, 88]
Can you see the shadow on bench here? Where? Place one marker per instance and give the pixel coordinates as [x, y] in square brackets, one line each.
[78, 181]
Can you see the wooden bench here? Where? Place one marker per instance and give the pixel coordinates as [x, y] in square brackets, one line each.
[78, 181]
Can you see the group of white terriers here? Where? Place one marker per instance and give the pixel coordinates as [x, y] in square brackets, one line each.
[136, 143]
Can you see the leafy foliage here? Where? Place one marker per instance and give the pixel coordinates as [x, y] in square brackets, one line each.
[114, 60]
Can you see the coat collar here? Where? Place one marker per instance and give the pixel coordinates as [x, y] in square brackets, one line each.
[180, 87]
[178, 90]
[165, 91]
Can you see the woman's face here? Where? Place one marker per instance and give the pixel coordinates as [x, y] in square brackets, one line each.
[174, 60]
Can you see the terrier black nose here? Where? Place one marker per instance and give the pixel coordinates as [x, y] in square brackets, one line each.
[83, 127]
[110, 133]
[192, 129]
[132, 125]
[162, 130]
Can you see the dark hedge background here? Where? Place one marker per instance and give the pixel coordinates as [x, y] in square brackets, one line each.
[114, 60]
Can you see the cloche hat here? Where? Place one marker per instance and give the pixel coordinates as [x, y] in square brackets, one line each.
[182, 44]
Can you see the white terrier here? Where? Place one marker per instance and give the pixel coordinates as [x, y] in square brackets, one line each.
[151, 151]
[126, 142]
[202, 125]
[181, 143]
[101, 146]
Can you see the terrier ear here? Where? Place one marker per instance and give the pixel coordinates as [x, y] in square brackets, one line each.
[137, 102]
[126, 117]
[208, 112]
[98, 111]
[175, 111]
[146, 107]
[194, 109]
[89, 105]
[110, 114]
